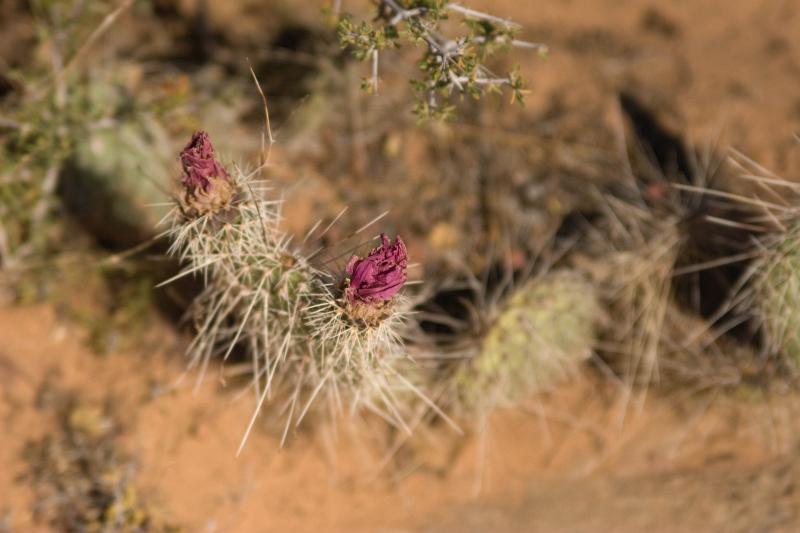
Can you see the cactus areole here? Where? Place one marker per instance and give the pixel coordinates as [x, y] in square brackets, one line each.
[372, 282]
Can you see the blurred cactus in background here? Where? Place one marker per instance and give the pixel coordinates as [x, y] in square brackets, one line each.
[544, 331]
[78, 137]
[770, 290]
[115, 176]
[778, 287]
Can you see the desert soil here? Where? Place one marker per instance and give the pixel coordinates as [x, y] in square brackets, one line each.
[571, 463]
[585, 458]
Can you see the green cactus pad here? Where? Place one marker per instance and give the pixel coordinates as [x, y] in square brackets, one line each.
[544, 331]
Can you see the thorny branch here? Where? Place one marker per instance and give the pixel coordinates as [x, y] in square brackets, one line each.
[449, 65]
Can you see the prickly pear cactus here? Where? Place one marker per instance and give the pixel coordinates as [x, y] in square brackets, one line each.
[779, 296]
[544, 331]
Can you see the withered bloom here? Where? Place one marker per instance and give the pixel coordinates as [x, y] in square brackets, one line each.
[200, 165]
[206, 183]
[375, 279]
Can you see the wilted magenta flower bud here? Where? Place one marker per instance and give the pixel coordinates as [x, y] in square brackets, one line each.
[200, 166]
[207, 187]
[379, 276]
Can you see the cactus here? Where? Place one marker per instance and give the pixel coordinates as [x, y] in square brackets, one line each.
[778, 294]
[102, 183]
[545, 329]
[309, 333]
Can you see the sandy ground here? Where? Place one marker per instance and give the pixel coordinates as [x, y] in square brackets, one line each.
[725, 76]
[713, 463]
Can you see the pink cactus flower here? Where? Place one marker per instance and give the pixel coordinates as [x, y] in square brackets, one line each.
[207, 187]
[200, 165]
[379, 276]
